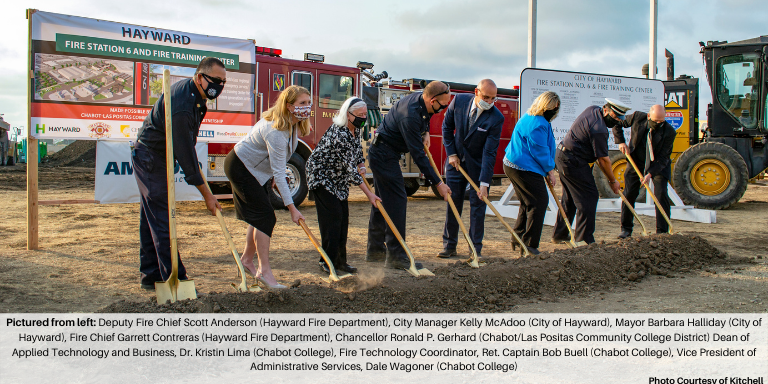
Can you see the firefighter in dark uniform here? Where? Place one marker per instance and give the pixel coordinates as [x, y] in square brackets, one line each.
[404, 129]
[585, 143]
[188, 110]
[658, 170]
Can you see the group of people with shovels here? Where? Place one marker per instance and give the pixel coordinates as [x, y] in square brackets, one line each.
[471, 133]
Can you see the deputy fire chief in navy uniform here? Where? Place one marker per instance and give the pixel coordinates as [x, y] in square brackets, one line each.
[404, 129]
[188, 110]
[651, 134]
[585, 143]
[471, 132]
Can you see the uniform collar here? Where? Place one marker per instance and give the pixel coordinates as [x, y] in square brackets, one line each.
[195, 91]
[423, 108]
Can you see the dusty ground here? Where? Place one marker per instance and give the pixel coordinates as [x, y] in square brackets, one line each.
[89, 258]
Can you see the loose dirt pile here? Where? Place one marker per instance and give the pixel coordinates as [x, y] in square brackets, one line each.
[495, 287]
[81, 153]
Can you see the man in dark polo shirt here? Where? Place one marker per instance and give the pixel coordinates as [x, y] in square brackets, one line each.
[586, 142]
[404, 129]
[188, 109]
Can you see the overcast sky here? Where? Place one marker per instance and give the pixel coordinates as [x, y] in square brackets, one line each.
[456, 40]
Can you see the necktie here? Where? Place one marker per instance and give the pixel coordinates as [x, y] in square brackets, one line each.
[473, 117]
[650, 144]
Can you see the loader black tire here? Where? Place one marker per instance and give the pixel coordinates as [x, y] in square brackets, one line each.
[710, 176]
[411, 186]
[618, 165]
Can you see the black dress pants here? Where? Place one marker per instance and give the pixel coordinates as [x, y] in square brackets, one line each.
[458, 185]
[632, 189]
[531, 189]
[579, 199]
[333, 217]
[389, 185]
[154, 227]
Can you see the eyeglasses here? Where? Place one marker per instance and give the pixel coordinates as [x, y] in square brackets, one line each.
[214, 80]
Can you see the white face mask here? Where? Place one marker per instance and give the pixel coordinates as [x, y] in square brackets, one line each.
[484, 105]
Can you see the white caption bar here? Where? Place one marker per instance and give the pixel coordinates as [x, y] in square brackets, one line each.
[555, 348]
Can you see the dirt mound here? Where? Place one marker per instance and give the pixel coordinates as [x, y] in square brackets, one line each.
[495, 287]
[81, 153]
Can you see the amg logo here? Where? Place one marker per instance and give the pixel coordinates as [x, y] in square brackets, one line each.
[124, 169]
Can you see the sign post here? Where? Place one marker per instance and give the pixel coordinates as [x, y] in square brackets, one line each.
[31, 156]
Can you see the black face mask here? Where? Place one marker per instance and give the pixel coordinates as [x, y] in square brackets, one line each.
[441, 107]
[653, 125]
[213, 90]
[610, 121]
[358, 121]
[549, 115]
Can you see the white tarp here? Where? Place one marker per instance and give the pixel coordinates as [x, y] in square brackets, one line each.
[578, 91]
[115, 182]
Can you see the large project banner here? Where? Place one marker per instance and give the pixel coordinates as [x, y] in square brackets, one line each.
[96, 79]
[578, 91]
[115, 182]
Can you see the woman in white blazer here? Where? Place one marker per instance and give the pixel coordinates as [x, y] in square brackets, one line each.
[256, 164]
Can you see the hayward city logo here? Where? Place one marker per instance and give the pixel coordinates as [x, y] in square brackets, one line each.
[204, 133]
[40, 128]
[99, 130]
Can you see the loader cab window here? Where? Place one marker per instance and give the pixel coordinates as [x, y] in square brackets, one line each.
[303, 79]
[737, 87]
[334, 90]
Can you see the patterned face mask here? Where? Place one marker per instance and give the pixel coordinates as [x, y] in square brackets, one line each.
[302, 112]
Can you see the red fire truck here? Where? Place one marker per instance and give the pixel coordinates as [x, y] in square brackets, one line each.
[329, 86]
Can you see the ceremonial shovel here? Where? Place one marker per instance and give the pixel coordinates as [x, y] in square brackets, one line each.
[243, 287]
[412, 270]
[647, 188]
[573, 242]
[473, 253]
[495, 212]
[172, 289]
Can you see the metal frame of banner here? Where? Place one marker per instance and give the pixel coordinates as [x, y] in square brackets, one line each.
[509, 208]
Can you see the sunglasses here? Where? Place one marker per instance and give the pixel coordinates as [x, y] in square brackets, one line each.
[447, 90]
[214, 80]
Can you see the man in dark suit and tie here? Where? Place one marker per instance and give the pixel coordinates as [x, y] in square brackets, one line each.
[471, 131]
[652, 137]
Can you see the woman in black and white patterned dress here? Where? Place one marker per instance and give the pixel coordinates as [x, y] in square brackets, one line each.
[336, 162]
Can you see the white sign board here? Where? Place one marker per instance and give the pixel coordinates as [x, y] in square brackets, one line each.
[578, 91]
[115, 182]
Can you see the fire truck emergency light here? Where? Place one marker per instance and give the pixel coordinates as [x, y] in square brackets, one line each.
[314, 57]
[268, 51]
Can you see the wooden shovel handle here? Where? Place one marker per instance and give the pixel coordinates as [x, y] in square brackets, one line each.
[390, 223]
[170, 163]
[495, 211]
[647, 188]
[455, 211]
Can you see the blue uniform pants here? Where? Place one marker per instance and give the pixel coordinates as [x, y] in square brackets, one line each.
[154, 230]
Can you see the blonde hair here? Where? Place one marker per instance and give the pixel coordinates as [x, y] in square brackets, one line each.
[279, 114]
[547, 101]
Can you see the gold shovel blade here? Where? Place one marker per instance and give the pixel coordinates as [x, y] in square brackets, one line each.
[331, 278]
[174, 291]
[245, 288]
